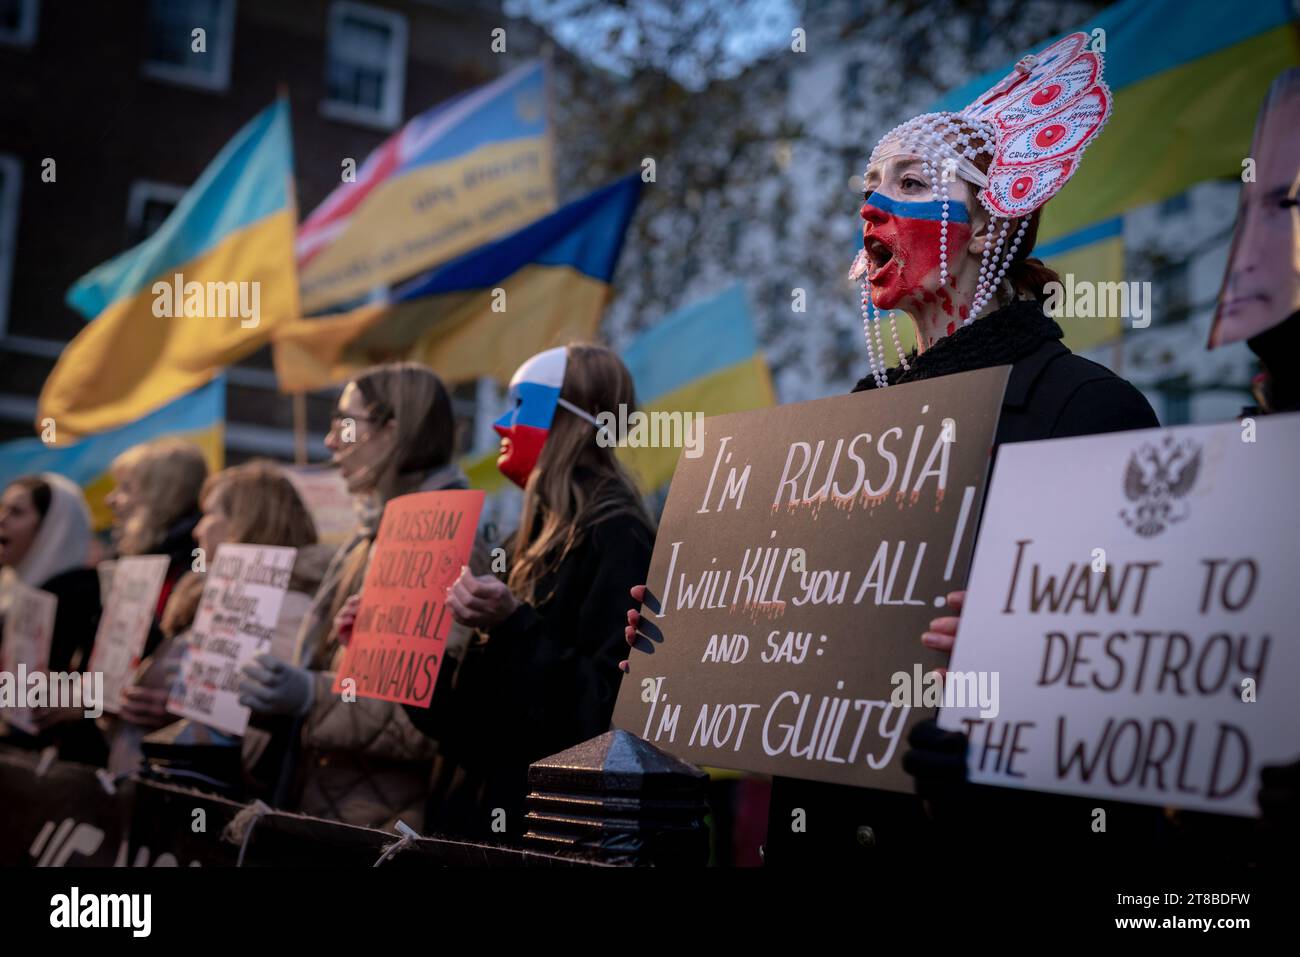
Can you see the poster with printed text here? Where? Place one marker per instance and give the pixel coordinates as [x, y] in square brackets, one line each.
[234, 624]
[401, 628]
[799, 558]
[28, 632]
[1132, 606]
[124, 627]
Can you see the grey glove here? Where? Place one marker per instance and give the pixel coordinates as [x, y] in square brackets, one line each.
[271, 686]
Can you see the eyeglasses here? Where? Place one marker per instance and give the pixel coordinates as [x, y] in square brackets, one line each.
[338, 419]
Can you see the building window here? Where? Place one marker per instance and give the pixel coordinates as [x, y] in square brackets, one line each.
[9, 186]
[148, 207]
[18, 22]
[365, 65]
[171, 53]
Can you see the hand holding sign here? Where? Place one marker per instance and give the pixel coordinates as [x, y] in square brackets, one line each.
[480, 601]
[270, 686]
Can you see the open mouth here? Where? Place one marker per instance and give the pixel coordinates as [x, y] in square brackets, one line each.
[879, 256]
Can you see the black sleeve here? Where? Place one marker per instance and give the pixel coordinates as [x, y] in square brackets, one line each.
[555, 670]
[76, 619]
[1108, 404]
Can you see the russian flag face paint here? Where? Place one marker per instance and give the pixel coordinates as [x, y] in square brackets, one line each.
[901, 240]
[534, 394]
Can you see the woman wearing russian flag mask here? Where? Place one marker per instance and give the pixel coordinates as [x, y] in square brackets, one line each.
[542, 677]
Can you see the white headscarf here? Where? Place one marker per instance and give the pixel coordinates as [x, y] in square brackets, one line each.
[63, 540]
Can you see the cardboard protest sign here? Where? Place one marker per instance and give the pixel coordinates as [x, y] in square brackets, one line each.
[401, 629]
[235, 622]
[28, 631]
[327, 500]
[798, 561]
[124, 628]
[1134, 596]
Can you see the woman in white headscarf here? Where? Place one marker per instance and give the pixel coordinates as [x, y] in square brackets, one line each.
[45, 541]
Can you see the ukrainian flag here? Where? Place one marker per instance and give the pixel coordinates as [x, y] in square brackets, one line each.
[703, 358]
[482, 314]
[198, 417]
[1188, 77]
[202, 292]
[454, 177]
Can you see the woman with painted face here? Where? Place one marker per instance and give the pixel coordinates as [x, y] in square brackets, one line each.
[45, 543]
[950, 215]
[360, 761]
[155, 506]
[542, 675]
[951, 212]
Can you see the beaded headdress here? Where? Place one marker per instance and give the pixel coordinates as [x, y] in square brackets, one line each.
[1033, 124]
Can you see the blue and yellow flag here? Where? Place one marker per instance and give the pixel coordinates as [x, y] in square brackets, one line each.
[202, 292]
[198, 417]
[482, 314]
[1188, 77]
[703, 358]
[456, 176]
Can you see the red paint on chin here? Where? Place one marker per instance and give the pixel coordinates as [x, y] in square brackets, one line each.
[952, 327]
[964, 311]
[520, 456]
[915, 245]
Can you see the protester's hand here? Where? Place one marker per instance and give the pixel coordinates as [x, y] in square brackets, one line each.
[271, 686]
[942, 634]
[346, 618]
[633, 624]
[146, 707]
[480, 601]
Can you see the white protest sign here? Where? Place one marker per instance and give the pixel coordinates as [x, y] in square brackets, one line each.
[124, 628]
[236, 618]
[1134, 596]
[29, 629]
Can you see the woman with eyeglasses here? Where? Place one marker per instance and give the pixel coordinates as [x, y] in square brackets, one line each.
[361, 761]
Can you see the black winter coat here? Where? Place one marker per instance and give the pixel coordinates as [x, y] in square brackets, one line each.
[1051, 393]
[544, 680]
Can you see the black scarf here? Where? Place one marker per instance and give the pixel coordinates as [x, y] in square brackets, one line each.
[1000, 338]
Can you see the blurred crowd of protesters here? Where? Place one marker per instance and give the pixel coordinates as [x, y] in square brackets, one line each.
[533, 663]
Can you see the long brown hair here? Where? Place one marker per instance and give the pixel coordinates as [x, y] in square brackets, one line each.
[415, 398]
[169, 474]
[261, 504]
[262, 507]
[577, 482]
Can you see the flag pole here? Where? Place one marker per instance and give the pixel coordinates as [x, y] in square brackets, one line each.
[299, 428]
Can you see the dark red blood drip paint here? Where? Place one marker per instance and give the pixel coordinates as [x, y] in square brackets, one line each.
[946, 301]
[952, 327]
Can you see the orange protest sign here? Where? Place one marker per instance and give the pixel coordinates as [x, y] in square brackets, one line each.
[401, 629]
